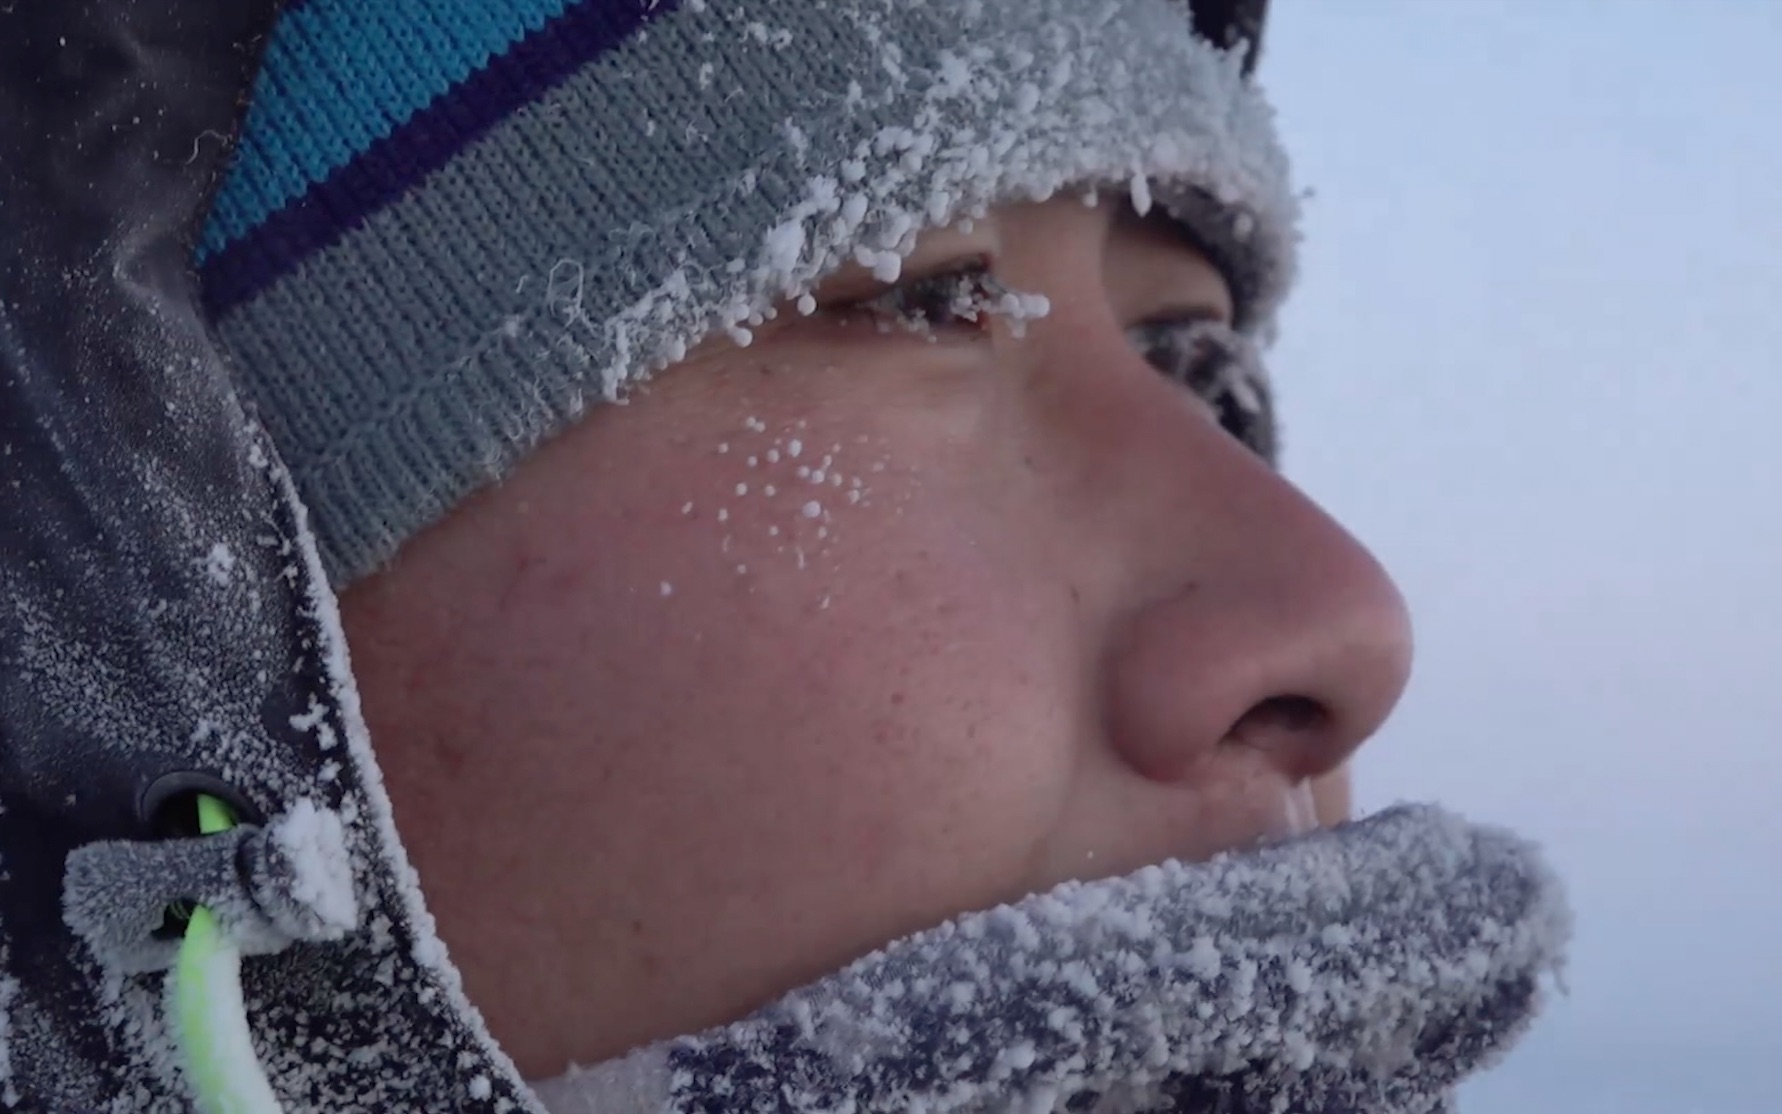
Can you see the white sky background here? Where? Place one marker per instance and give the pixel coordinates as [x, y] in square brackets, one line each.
[1535, 362]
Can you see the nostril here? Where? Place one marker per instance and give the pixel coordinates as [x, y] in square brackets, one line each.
[1286, 726]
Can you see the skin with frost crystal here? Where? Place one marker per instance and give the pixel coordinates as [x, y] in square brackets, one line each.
[801, 488]
[1055, 618]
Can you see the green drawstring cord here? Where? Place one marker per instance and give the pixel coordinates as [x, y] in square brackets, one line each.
[210, 1018]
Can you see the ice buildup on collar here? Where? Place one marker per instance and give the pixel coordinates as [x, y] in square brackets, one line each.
[1369, 967]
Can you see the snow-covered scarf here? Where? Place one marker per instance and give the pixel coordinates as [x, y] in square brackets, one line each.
[1363, 969]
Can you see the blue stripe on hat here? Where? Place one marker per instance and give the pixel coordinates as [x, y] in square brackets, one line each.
[341, 74]
[426, 141]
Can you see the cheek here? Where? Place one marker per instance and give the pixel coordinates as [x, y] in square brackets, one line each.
[800, 667]
[847, 651]
[655, 730]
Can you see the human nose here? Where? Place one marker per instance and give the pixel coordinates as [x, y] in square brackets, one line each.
[1250, 620]
[1298, 656]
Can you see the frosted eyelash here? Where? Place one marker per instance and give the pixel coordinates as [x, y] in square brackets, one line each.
[1222, 367]
[970, 294]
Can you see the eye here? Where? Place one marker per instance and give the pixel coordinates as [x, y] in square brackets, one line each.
[962, 297]
[1221, 367]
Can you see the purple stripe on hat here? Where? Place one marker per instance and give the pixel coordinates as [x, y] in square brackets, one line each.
[421, 145]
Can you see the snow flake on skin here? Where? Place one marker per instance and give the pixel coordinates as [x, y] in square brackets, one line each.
[802, 529]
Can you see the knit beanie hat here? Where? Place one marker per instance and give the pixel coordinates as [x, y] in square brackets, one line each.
[453, 225]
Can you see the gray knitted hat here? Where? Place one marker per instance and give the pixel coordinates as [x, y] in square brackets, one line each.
[454, 225]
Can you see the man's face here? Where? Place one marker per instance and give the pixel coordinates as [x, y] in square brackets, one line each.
[823, 640]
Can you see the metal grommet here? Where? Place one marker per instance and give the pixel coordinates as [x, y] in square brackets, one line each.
[167, 807]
